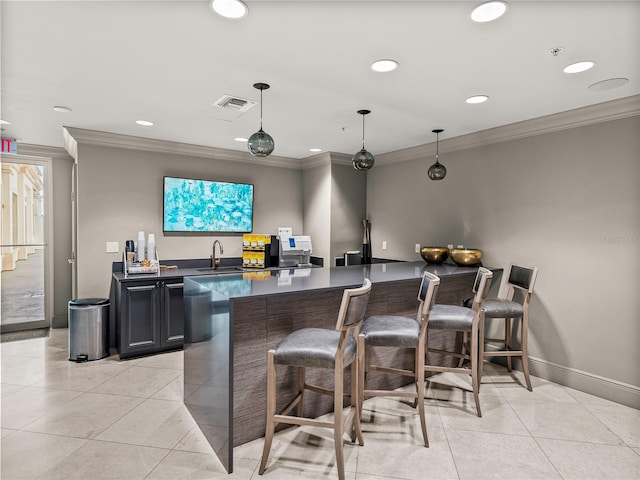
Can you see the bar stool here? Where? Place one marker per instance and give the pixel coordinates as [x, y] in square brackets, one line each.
[320, 348]
[520, 279]
[400, 332]
[466, 320]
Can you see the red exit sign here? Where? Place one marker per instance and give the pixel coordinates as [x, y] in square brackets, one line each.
[9, 145]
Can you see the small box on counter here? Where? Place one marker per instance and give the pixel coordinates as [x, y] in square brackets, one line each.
[253, 259]
[258, 250]
[255, 240]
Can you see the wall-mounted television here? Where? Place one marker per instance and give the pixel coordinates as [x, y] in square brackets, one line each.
[192, 205]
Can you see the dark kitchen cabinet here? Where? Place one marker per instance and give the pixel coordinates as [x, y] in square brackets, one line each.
[149, 316]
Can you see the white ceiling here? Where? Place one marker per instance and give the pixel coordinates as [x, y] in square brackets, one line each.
[115, 62]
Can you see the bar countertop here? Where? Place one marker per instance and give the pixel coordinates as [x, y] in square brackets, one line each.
[244, 284]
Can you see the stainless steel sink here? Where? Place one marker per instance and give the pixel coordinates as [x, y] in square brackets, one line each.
[220, 270]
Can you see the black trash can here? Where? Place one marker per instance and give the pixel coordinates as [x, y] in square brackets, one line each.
[88, 329]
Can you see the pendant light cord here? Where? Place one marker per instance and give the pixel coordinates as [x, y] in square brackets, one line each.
[363, 130]
[437, 145]
[261, 109]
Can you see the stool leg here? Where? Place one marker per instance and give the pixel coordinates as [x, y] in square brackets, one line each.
[419, 367]
[362, 362]
[301, 381]
[338, 401]
[481, 346]
[420, 354]
[523, 346]
[463, 350]
[507, 340]
[475, 369]
[356, 429]
[271, 410]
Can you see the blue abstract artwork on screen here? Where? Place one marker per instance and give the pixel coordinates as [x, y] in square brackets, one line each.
[204, 206]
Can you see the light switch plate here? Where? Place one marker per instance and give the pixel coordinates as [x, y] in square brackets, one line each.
[384, 244]
[113, 247]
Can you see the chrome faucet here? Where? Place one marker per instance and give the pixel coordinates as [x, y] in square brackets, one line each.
[215, 261]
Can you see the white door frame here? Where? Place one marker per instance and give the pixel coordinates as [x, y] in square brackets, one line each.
[46, 163]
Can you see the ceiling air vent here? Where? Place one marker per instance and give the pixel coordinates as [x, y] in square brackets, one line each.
[229, 108]
[234, 103]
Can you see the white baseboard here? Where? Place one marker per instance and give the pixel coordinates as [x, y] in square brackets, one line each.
[59, 321]
[603, 387]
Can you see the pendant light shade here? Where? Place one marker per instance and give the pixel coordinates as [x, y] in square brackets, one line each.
[437, 171]
[362, 160]
[261, 144]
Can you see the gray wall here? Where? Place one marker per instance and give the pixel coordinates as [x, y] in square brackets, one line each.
[316, 185]
[335, 198]
[348, 208]
[120, 193]
[567, 202]
[61, 171]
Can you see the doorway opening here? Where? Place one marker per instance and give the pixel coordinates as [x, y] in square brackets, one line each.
[24, 240]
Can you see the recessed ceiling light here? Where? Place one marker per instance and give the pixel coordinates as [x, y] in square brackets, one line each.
[578, 67]
[4, 122]
[315, 149]
[241, 139]
[489, 11]
[384, 65]
[608, 84]
[61, 109]
[144, 123]
[234, 9]
[477, 99]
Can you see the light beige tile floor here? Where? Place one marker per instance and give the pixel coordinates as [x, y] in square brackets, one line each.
[112, 419]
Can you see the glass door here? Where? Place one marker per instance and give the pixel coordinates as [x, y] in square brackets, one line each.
[24, 244]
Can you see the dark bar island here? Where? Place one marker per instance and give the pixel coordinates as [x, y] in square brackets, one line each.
[232, 320]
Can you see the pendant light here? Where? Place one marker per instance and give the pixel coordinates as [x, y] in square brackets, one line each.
[363, 160]
[437, 171]
[261, 144]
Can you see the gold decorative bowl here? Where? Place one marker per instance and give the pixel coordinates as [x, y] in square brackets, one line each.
[435, 255]
[466, 257]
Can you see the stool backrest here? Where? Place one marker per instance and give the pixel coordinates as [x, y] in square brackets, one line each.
[481, 287]
[353, 307]
[427, 295]
[523, 278]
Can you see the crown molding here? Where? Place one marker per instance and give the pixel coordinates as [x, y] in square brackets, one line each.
[41, 151]
[105, 139]
[601, 112]
[341, 158]
[326, 158]
[314, 161]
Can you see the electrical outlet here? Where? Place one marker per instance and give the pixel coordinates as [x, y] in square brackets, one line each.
[417, 248]
[384, 244]
[113, 247]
